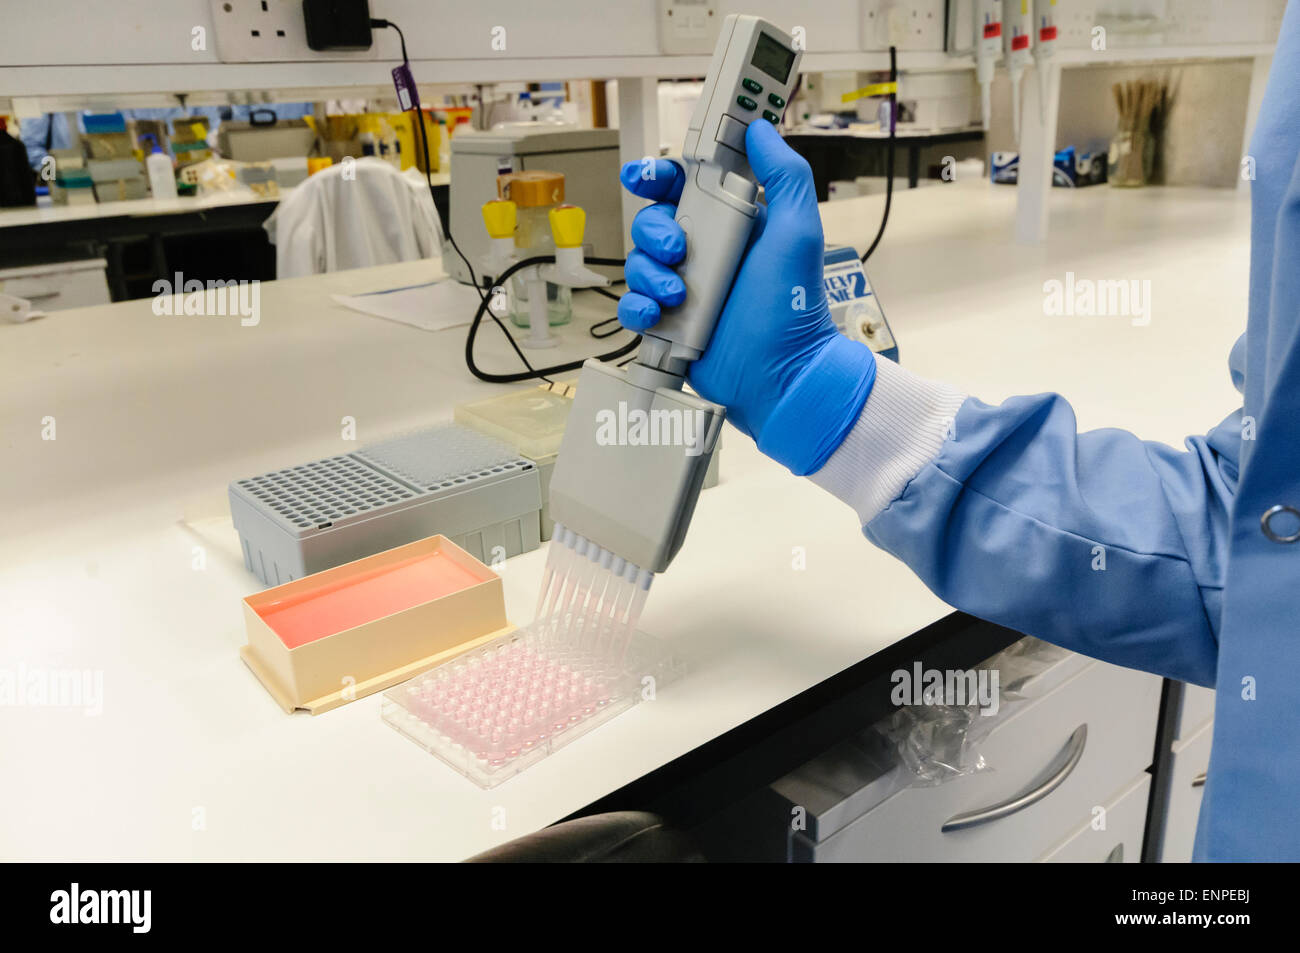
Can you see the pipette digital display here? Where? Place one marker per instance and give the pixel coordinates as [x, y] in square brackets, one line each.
[773, 58]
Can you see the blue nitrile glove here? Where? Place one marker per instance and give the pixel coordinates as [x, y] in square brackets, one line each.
[787, 377]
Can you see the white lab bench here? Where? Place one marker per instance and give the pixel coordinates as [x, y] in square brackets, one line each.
[180, 205]
[73, 234]
[191, 759]
[135, 208]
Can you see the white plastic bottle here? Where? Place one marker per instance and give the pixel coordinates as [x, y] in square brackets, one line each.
[162, 177]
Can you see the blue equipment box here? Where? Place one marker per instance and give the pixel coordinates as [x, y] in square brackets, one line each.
[854, 305]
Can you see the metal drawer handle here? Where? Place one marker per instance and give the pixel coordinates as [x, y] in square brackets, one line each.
[1199, 780]
[1073, 753]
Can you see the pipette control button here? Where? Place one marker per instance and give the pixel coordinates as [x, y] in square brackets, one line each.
[775, 100]
[746, 102]
[752, 86]
[731, 132]
[771, 117]
[739, 186]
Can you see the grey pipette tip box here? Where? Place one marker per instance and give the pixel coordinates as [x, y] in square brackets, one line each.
[450, 480]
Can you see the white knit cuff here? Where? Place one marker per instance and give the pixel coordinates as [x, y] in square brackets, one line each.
[904, 423]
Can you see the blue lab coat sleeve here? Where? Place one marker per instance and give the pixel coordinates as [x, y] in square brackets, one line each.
[1099, 542]
[1007, 512]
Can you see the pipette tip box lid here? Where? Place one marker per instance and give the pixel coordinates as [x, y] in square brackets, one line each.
[531, 421]
[329, 638]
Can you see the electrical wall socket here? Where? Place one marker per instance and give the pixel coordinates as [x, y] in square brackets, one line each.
[688, 26]
[1074, 23]
[912, 25]
[272, 31]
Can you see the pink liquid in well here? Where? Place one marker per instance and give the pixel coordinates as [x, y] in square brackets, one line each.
[347, 603]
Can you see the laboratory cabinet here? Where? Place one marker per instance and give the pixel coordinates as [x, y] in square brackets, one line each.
[58, 286]
[1112, 835]
[1188, 766]
[1182, 763]
[1195, 710]
[1074, 739]
[1189, 762]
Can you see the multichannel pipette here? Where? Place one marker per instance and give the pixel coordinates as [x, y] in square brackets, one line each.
[624, 495]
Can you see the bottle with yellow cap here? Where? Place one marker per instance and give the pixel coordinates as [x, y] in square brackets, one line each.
[500, 217]
[535, 193]
[568, 223]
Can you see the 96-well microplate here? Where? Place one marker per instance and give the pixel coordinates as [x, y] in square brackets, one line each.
[494, 711]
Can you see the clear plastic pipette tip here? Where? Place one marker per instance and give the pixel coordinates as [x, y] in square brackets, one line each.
[552, 557]
[613, 603]
[599, 591]
[561, 556]
[575, 592]
[644, 579]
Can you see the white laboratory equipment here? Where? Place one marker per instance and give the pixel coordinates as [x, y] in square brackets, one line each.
[855, 308]
[587, 158]
[535, 303]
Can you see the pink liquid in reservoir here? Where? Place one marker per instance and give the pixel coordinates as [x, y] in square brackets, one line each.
[347, 603]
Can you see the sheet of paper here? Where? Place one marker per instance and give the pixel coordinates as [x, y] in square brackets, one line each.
[431, 306]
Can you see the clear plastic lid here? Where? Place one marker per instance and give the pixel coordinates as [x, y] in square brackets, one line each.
[532, 421]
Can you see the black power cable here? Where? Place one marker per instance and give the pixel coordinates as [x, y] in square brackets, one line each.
[603, 293]
[601, 335]
[889, 156]
[484, 306]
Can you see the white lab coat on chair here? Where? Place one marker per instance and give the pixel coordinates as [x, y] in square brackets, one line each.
[352, 215]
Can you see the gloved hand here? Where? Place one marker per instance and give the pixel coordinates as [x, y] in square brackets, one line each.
[787, 377]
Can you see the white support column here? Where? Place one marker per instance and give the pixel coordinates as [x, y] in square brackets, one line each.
[1258, 80]
[638, 136]
[1037, 149]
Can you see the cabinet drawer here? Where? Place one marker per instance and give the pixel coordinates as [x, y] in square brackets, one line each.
[1120, 842]
[73, 284]
[1051, 763]
[1191, 759]
[1194, 711]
